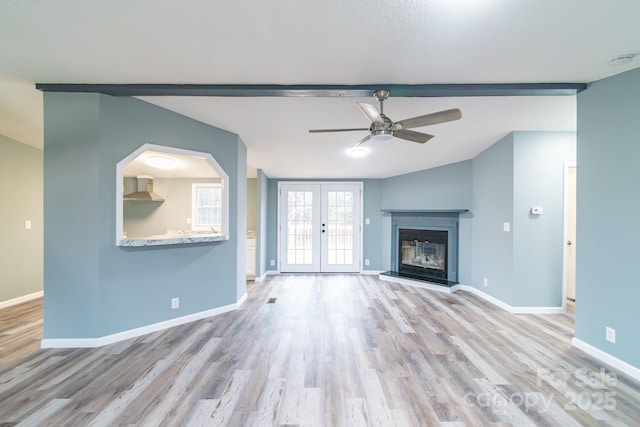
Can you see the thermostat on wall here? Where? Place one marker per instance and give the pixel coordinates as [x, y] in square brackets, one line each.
[536, 210]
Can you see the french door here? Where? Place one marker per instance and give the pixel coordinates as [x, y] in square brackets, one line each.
[320, 227]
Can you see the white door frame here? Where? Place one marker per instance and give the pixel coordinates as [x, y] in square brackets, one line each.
[565, 232]
[359, 219]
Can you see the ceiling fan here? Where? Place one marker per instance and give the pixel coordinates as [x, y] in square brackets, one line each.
[382, 127]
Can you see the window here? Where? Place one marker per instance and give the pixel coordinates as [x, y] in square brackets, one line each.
[206, 207]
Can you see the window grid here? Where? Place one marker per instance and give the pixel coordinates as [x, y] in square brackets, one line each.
[207, 205]
[300, 227]
[340, 225]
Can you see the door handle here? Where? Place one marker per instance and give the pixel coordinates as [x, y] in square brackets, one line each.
[569, 242]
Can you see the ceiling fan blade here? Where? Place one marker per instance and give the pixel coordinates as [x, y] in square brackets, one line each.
[365, 139]
[413, 136]
[431, 119]
[335, 130]
[371, 112]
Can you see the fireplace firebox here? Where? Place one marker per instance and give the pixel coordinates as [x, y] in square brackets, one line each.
[423, 253]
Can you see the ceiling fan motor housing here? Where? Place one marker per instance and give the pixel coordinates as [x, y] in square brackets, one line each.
[382, 130]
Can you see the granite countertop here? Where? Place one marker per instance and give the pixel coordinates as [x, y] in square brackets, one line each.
[173, 239]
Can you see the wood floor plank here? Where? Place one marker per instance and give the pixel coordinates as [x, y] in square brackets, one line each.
[334, 350]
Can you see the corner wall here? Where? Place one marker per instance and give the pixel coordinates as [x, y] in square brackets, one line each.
[94, 288]
[493, 206]
[444, 187]
[538, 240]
[21, 250]
[607, 290]
[523, 267]
[262, 191]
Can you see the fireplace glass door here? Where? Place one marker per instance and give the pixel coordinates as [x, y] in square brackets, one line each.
[423, 253]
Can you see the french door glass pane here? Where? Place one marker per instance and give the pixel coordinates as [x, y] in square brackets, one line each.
[340, 227]
[299, 227]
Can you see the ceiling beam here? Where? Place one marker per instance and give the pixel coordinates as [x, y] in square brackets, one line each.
[259, 90]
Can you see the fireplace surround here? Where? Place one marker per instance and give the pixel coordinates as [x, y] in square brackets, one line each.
[424, 245]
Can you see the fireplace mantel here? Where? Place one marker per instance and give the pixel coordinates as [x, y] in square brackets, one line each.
[418, 212]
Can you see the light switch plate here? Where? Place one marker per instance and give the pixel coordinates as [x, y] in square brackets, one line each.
[507, 226]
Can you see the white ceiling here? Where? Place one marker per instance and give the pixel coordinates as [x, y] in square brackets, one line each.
[185, 166]
[319, 42]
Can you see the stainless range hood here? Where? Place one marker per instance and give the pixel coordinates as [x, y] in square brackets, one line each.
[145, 190]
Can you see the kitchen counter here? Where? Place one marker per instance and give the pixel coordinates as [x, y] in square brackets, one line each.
[172, 239]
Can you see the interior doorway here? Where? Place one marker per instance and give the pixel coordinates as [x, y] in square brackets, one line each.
[320, 227]
[570, 186]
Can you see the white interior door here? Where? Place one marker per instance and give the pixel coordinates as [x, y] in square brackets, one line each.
[320, 227]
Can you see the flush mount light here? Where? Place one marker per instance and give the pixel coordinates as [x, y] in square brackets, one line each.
[160, 162]
[622, 59]
[358, 151]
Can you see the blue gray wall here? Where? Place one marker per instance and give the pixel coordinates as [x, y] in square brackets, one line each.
[538, 240]
[20, 200]
[491, 247]
[92, 287]
[523, 266]
[608, 202]
[445, 187]
[262, 187]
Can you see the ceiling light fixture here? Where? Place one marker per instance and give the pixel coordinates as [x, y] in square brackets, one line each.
[160, 162]
[622, 59]
[358, 151]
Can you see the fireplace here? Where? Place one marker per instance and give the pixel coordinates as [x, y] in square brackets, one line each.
[423, 253]
[424, 246]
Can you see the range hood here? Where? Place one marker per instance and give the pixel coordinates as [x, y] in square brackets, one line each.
[145, 190]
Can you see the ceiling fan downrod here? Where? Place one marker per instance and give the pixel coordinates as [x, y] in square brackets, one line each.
[381, 95]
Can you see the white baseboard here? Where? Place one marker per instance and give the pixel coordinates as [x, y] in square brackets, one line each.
[471, 289]
[372, 272]
[259, 279]
[133, 333]
[241, 301]
[503, 305]
[19, 300]
[608, 359]
[417, 284]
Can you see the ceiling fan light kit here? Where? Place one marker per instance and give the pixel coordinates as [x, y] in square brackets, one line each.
[358, 151]
[383, 128]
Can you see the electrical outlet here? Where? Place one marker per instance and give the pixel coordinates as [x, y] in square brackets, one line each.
[486, 282]
[506, 226]
[175, 303]
[27, 225]
[189, 220]
[367, 221]
[273, 262]
[610, 334]
[366, 261]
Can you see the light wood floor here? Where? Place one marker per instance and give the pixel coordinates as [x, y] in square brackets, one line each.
[332, 350]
